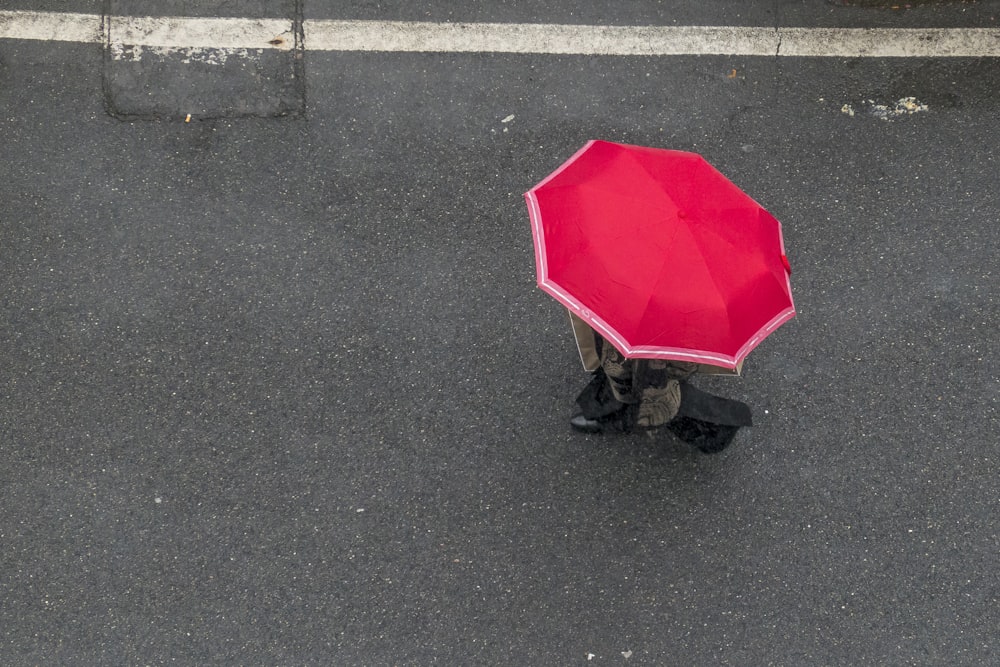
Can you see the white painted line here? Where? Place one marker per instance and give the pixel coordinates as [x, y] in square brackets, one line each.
[650, 40]
[538, 38]
[50, 26]
[200, 33]
[891, 42]
[399, 36]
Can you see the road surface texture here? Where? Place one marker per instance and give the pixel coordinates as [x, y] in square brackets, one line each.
[278, 388]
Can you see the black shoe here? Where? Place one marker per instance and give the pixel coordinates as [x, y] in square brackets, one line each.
[581, 423]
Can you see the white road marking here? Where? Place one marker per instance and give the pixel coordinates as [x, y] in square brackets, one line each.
[400, 36]
[50, 26]
[538, 38]
[891, 42]
[649, 40]
[200, 33]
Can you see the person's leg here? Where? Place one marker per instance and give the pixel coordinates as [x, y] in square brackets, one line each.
[600, 410]
[606, 402]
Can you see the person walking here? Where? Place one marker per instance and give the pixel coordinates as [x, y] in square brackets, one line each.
[625, 395]
[669, 270]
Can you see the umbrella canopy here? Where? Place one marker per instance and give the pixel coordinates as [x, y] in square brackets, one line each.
[660, 253]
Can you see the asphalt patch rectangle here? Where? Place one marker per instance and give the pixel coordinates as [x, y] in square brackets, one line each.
[175, 67]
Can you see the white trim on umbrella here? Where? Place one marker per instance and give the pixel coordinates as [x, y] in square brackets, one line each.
[765, 331]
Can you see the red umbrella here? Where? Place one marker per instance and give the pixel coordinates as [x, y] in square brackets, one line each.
[660, 253]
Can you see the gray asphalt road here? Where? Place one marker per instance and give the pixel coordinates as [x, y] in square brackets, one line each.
[281, 391]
